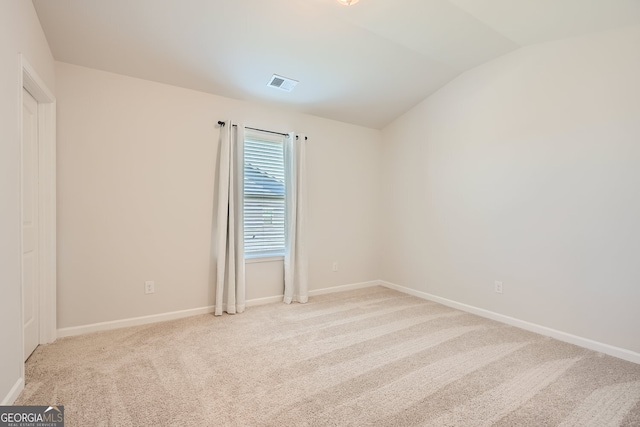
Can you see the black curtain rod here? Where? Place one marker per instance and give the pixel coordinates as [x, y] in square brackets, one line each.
[221, 123]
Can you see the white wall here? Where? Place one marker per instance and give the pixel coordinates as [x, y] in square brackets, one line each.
[526, 170]
[20, 32]
[135, 194]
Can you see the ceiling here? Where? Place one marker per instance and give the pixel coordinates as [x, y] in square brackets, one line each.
[365, 64]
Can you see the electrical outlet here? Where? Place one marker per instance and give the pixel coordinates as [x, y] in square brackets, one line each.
[149, 287]
[497, 287]
[335, 265]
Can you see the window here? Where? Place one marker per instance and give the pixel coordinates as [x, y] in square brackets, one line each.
[264, 194]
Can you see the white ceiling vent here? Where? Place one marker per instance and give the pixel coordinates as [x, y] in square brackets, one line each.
[282, 83]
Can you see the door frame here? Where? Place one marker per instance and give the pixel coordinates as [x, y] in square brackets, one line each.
[46, 281]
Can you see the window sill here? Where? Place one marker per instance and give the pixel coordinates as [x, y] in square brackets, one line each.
[264, 259]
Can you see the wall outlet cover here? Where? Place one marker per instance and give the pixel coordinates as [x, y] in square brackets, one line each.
[149, 287]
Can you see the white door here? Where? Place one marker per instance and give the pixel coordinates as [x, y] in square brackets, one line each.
[30, 280]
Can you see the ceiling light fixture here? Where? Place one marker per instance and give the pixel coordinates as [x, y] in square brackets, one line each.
[348, 2]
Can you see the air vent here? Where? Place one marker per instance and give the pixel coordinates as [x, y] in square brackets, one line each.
[282, 83]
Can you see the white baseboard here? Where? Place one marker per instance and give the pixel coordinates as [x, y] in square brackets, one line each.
[13, 393]
[262, 301]
[314, 292]
[543, 330]
[343, 288]
[618, 352]
[144, 320]
[134, 321]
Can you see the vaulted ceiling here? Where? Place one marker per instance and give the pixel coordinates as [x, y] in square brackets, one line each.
[364, 64]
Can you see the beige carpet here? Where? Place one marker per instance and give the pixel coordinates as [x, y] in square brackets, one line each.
[367, 357]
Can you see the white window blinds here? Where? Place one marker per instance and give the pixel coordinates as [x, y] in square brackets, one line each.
[264, 194]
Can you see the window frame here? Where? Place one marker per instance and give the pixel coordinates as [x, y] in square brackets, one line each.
[269, 138]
